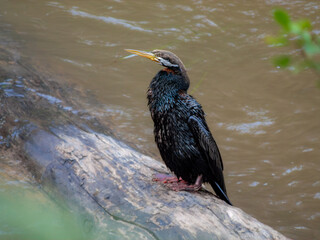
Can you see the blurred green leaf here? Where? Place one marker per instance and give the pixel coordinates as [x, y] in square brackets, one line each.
[300, 27]
[311, 49]
[304, 24]
[295, 28]
[30, 218]
[282, 18]
[306, 37]
[282, 61]
[298, 34]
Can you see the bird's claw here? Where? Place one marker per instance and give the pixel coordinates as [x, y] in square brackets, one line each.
[184, 186]
[164, 178]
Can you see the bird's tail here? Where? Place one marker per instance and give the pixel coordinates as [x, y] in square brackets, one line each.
[221, 194]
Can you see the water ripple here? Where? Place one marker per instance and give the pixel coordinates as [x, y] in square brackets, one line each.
[259, 120]
[111, 20]
[290, 170]
[249, 127]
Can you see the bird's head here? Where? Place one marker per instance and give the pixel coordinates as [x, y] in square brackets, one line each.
[167, 59]
[163, 57]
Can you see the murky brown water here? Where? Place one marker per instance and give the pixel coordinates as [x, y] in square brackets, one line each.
[266, 121]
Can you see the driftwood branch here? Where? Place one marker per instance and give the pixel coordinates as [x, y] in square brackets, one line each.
[116, 178]
[103, 178]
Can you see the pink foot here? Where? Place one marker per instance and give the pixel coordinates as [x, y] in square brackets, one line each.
[184, 186]
[176, 184]
[165, 178]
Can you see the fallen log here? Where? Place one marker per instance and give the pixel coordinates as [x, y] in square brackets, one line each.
[119, 179]
[101, 177]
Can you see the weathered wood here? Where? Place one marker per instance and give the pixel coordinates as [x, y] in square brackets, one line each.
[105, 179]
[119, 179]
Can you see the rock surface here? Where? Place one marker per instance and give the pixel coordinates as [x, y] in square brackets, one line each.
[100, 177]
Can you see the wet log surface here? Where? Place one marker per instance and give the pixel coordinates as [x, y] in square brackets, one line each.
[102, 178]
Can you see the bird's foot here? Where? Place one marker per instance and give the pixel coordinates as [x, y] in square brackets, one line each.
[165, 178]
[183, 185]
[178, 184]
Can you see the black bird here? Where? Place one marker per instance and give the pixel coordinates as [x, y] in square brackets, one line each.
[180, 129]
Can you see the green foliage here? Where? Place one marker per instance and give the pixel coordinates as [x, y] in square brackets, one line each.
[282, 61]
[282, 18]
[27, 217]
[298, 34]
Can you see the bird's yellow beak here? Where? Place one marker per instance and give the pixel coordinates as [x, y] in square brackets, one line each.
[149, 55]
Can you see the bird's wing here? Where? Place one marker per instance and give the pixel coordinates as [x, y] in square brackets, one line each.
[209, 148]
[204, 138]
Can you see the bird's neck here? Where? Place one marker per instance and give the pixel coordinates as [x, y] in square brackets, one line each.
[164, 89]
[170, 80]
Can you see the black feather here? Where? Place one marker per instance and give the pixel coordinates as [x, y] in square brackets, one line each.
[208, 145]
